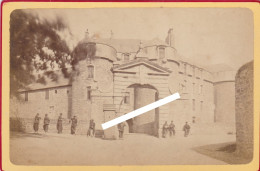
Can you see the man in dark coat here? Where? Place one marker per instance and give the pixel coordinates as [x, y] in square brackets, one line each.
[74, 122]
[59, 124]
[121, 127]
[36, 123]
[172, 129]
[46, 123]
[164, 129]
[186, 129]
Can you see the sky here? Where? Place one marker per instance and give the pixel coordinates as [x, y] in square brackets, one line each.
[207, 36]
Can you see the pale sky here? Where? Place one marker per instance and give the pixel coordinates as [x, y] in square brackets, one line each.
[206, 35]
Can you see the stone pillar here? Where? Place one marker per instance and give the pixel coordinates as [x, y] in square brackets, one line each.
[109, 114]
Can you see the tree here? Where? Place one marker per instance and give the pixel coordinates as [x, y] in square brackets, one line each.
[35, 44]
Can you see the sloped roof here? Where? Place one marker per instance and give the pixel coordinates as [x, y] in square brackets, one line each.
[125, 45]
[49, 82]
[219, 67]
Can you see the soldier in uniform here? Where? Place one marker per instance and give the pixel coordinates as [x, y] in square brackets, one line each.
[91, 130]
[59, 124]
[186, 129]
[46, 123]
[36, 123]
[120, 127]
[74, 122]
[164, 129]
[172, 129]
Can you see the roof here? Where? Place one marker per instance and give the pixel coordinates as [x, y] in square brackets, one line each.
[126, 45]
[219, 67]
[141, 61]
[49, 82]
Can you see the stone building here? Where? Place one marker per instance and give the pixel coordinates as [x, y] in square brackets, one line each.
[126, 74]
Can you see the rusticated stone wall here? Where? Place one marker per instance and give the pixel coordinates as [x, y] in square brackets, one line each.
[245, 110]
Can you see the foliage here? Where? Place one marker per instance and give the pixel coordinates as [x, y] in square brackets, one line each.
[35, 44]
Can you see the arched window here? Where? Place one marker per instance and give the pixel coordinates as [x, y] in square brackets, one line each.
[90, 71]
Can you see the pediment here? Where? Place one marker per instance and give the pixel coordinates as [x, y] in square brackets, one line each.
[144, 65]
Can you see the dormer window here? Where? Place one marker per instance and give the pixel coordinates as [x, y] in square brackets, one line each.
[90, 71]
[161, 52]
[126, 56]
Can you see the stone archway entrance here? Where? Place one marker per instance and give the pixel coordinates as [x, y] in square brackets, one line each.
[148, 122]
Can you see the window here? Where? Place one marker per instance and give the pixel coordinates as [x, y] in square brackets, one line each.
[46, 94]
[184, 85]
[185, 68]
[126, 56]
[161, 52]
[90, 71]
[56, 91]
[68, 91]
[201, 106]
[89, 93]
[200, 90]
[26, 96]
[127, 98]
[193, 105]
[193, 88]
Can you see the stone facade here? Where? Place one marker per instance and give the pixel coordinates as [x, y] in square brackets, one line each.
[245, 110]
[129, 74]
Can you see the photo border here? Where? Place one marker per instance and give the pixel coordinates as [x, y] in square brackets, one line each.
[8, 6]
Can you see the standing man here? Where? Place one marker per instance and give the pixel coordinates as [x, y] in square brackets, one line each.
[91, 130]
[164, 129]
[46, 123]
[59, 124]
[36, 123]
[121, 127]
[74, 122]
[186, 129]
[172, 129]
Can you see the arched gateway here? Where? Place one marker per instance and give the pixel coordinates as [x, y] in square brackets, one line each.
[137, 84]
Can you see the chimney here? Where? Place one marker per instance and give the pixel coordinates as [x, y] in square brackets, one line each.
[170, 38]
[111, 34]
[86, 34]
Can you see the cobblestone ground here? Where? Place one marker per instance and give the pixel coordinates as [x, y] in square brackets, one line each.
[134, 149]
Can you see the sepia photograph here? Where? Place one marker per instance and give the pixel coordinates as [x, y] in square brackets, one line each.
[73, 69]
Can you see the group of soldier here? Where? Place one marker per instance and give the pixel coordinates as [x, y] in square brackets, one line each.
[170, 129]
[73, 121]
[166, 129]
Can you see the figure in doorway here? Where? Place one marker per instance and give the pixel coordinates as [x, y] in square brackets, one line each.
[46, 123]
[36, 123]
[186, 129]
[59, 124]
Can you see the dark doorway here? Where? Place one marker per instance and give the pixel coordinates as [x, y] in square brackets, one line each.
[148, 122]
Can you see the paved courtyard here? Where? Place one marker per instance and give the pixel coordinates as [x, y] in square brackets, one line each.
[134, 149]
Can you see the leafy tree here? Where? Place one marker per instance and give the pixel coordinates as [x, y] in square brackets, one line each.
[35, 44]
